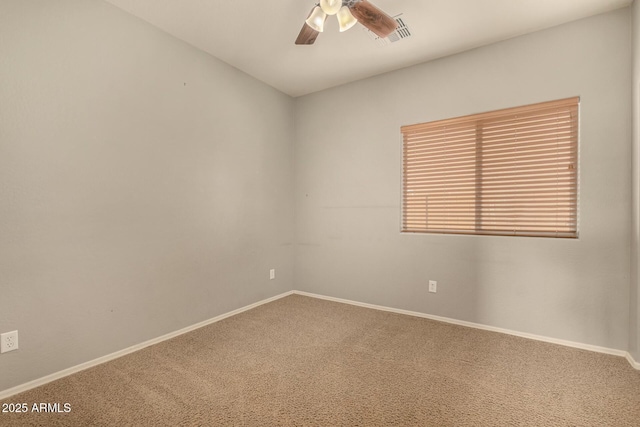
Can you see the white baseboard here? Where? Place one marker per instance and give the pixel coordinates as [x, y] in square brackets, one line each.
[589, 347]
[633, 362]
[66, 372]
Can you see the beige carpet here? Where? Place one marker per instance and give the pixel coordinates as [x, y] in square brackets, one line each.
[303, 361]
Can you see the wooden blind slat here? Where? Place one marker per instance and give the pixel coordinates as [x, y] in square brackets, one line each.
[506, 172]
[453, 205]
[557, 152]
[492, 175]
[567, 160]
[462, 171]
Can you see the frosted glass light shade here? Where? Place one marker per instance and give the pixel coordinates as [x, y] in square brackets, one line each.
[346, 19]
[316, 19]
[330, 7]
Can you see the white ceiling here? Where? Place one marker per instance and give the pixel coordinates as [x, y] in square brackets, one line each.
[258, 36]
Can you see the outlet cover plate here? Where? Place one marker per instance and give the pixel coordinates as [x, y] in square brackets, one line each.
[433, 286]
[8, 341]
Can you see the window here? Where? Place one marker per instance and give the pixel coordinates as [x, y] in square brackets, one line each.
[506, 172]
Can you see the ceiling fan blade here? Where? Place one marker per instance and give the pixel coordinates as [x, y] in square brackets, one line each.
[373, 18]
[307, 35]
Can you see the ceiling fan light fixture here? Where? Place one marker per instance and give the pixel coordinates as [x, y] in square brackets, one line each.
[346, 19]
[316, 19]
[330, 7]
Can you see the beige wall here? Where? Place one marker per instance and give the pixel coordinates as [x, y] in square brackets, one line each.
[144, 185]
[348, 178]
[634, 300]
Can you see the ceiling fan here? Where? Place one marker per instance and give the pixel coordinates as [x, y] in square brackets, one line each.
[348, 12]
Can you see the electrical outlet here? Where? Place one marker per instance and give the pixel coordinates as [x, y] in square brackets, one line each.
[433, 286]
[8, 341]
[272, 274]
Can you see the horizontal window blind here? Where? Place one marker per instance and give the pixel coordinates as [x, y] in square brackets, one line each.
[506, 172]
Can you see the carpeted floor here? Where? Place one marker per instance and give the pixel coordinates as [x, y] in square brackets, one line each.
[303, 361]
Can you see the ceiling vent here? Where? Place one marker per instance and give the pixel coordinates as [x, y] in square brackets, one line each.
[402, 32]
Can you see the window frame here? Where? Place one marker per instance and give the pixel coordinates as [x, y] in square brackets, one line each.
[569, 104]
